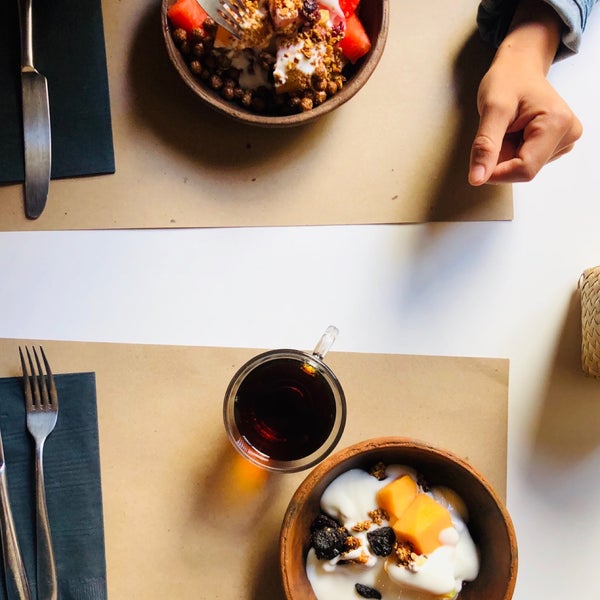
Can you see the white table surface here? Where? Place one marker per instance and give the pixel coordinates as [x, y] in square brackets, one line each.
[473, 289]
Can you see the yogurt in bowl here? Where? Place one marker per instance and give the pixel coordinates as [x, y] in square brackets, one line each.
[403, 539]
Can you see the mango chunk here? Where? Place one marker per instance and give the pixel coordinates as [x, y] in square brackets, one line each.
[396, 496]
[421, 524]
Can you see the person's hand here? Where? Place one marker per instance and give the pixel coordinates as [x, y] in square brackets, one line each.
[524, 123]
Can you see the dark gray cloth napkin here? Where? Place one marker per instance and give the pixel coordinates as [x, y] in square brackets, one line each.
[69, 50]
[73, 487]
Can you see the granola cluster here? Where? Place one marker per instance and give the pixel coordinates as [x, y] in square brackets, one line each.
[287, 59]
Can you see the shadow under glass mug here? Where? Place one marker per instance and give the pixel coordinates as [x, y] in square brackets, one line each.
[285, 410]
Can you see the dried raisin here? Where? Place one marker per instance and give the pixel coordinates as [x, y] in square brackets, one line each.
[323, 521]
[327, 537]
[382, 540]
[367, 592]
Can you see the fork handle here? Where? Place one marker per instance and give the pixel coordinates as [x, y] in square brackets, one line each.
[47, 587]
[16, 577]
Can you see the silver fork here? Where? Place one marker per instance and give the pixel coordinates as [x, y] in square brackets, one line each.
[232, 15]
[41, 404]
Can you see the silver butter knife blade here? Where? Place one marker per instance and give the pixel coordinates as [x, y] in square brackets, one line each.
[36, 120]
[17, 585]
[37, 142]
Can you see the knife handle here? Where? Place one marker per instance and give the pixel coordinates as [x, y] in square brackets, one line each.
[16, 576]
[26, 28]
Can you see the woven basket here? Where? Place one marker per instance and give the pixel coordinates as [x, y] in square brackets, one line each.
[589, 286]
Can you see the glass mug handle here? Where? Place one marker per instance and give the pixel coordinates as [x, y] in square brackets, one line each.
[326, 341]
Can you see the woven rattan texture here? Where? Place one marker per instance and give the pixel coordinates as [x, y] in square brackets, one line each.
[589, 285]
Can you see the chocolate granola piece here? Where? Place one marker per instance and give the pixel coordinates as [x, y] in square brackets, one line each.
[367, 592]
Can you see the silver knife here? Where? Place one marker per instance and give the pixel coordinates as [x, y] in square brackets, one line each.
[17, 585]
[36, 121]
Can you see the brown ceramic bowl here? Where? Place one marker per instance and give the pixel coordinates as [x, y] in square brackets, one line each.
[374, 15]
[489, 522]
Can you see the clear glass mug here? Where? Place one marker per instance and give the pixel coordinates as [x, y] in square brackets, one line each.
[285, 410]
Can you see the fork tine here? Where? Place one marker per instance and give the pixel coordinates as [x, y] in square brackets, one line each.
[26, 382]
[231, 13]
[241, 6]
[228, 16]
[41, 379]
[35, 386]
[223, 15]
[234, 8]
[50, 380]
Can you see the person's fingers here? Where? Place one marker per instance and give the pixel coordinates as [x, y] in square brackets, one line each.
[516, 170]
[574, 132]
[487, 144]
[545, 137]
[562, 151]
[511, 171]
[543, 141]
[510, 146]
[540, 141]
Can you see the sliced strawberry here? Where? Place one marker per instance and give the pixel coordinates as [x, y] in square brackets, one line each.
[187, 14]
[349, 7]
[356, 42]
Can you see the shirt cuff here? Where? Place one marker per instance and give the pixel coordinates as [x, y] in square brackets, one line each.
[494, 18]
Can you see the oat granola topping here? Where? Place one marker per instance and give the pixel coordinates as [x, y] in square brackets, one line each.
[404, 553]
[362, 526]
[352, 543]
[378, 516]
[287, 59]
[378, 471]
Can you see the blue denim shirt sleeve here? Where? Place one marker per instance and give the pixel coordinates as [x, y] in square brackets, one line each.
[494, 17]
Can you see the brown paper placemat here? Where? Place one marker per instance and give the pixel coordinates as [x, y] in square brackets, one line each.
[396, 153]
[177, 517]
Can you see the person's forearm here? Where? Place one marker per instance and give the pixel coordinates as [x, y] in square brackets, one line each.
[534, 34]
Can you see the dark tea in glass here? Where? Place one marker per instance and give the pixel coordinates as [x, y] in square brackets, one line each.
[285, 410]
